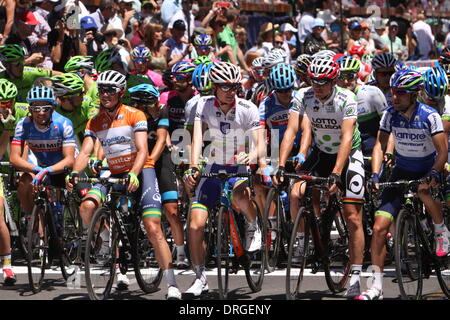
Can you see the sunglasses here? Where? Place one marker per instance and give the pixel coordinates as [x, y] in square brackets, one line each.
[203, 48]
[180, 77]
[260, 72]
[319, 82]
[108, 90]
[141, 60]
[6, 103]
[400, 92]
[347, 76]
[279, 42]
[138, 101]
[287, 90]
[229, 87]
[41, 108]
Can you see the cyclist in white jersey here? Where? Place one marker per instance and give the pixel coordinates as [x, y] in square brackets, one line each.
[331, 113]
[383, 65]
[228, 118]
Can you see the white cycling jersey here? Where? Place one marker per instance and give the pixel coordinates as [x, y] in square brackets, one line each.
[227, 132]
[189, 111]
[326, 117]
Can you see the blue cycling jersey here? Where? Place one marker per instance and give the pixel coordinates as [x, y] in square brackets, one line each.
[414, 148]
[273, 115]
[47, 145]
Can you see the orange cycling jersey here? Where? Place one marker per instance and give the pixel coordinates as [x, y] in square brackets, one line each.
[117, 136]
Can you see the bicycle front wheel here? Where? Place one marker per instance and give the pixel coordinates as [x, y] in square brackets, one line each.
[101, 255]
[297, 256]
[38, 246]
[273, 208]
[408, 257]
[224, 251]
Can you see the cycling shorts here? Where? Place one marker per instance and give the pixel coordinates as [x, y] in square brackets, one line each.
[392, 198]
[321, 164]
[167, 179]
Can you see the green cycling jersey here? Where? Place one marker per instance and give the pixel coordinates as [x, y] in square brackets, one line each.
[80, 116]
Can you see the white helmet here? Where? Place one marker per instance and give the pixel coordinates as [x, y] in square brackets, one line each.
[258, 62]
[324, 53]
[323, 68]
[225, 72]
[274, 57]
[112, 78]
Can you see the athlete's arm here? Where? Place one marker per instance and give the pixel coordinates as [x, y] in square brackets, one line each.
[161, 135]
[4, 141]
[440, 143]
[289, 137]
[67, 161]
[379, 149]
[347, 130]
[16, 158]
[197, 142]
[83, 157]
[140, 140]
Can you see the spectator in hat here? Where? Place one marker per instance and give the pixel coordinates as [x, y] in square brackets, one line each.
[177, 48]
[355, 36]
[393, 42]
[424, 35]
[104, 13]
[314, 42]
[93, 39]
[186, 16]
[153, 38]
[404, 25]
[306, 21]
[380, 27]
[289, 32]
[266, 37]
[7, 8]
[126, 13]
[366, 34]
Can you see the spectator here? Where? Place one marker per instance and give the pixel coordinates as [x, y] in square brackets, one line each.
[154, 41]
[7, 8]
[306, 22]
[228, 37]
[404, 25]
[94, 41]
[280, 43]
[38, 38]
[178, 49]
[355, 36]
[223, 51]
[148, 8]
[393, 42]
[138, 36]
[266, 36]
[186, 16]
[104, 13]
[425, 38]
[314, 42]
[241, 38]
[168, 10]
[370, 47]
[289, 36]
[379, 27]
[126, 13]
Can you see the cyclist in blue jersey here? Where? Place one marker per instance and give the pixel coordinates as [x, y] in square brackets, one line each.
[421, 151]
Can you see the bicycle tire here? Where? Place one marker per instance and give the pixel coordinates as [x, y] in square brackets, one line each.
[38, 248]
[100, 268]
[254, 270]
[294, 281]
[409, 274]
[273, 235]
[146, 268]
[223, 251]
[443, 264]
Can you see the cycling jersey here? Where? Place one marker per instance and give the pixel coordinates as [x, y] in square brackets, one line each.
[414, 148]
[176, 109]
[81, 115]
[117, 136]
[227, 131]
[152, 75]
[326, 117]
[387, 95]
[160, 122]
[47, 145]
[92, 93]
[24, 84]
[20, 111]
[274, 115]
[189, 112]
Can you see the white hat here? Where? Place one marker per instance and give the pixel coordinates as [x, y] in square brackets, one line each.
[326, 16]
[112, 27]
[288, 27]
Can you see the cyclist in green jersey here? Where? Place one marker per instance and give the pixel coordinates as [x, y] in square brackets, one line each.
[82, 66]
[12, 56]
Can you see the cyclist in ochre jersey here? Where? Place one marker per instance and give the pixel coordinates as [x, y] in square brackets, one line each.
[12, 56]
[331, 114]
[423, 156]
[122, 132]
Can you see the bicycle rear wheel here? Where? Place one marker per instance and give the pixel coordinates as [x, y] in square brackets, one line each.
[254, 269]
[101, 255]
[298, 253]
[146, 268]
[273, 230]
[38, 246]
[224, 251]
[408, 257]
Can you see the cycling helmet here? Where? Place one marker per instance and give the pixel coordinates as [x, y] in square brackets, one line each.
[67, 83]
[224, 72]
[349, 64]
[146, 88]
[144, 93]
[279, 51]
[202, 59]
[8, 90]
[282, 76]
[367, 58]
[258, 62]
[399, 65]
[407, 80]
[273, 58]
[141, 53]
[444, 58]
[435, 82]
[41, 93]
[11, 52]
[323, 68]
[202, 40]
[183, 67]
[356, 49]
[112, 78]
[105, 59]
[324, 54]
[302, 63]
[200, 77]
[383, 60]
[76, 63]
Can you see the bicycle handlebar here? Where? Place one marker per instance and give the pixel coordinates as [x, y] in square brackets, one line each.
[306, 177]
[103, 180]
[403, 183]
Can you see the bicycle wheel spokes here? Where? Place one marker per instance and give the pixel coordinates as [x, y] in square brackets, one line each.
[273, 231]
[408, 259]
[254, 272]
[443, 274]
[38, 246]
[297, 256]
[100, 257]
[223, 252]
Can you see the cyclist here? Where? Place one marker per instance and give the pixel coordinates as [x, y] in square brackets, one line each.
[383, 65]
[421, 151]
[255, 77]
[301, 68]
[12, 56]
[226, 116]
[82, 66]
[202, 45]
[141, 57]
[122, 131]
[332, 116]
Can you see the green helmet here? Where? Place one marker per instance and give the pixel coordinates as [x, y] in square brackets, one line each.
[8, 90]
[105, 59]
[77, 63]
[11, 52]
[67, 83]
[349, 64]
[202, 59]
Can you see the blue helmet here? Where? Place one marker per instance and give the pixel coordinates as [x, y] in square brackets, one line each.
[200, 77]
[41, 93]
[183, 67]
[435, 82]
[141, 53]
[407, 80]
[145, 88]
[144, 94]
[282, 76]
[203, 40]
[399, 65]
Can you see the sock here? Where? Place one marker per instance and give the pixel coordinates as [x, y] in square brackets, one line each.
[6, 261]
[438, 228]
[170, 278]
[273, 222]
[378, 280]
[200, 272]
[300, 235]
[355, 272]
[180, 250]
[105, 235]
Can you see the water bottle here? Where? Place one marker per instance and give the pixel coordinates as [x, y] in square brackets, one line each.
[285, 199]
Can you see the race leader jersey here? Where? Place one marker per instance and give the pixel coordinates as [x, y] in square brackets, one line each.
[47, 145]
[117, 136]
[227, 132]
[326, 117]
[414, 148]
[274, 116]
[24, 84]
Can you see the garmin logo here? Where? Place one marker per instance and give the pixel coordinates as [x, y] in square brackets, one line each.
[410, 136]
